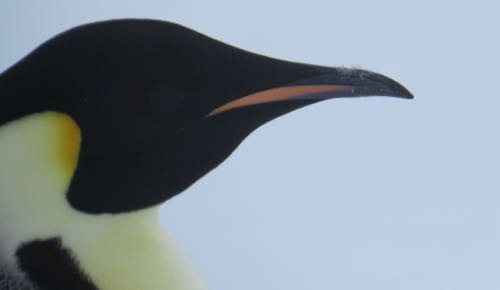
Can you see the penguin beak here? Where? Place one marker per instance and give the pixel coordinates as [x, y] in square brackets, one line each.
[338, 83]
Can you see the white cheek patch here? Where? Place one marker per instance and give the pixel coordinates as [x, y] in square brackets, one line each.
[129, 251]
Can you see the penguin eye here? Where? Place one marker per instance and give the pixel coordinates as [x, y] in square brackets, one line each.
[165, 99]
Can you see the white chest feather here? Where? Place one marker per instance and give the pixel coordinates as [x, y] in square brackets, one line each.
[38, 155]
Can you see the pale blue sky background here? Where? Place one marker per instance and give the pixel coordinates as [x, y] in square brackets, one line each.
[376, 193]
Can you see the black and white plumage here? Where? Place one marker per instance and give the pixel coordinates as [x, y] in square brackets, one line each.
[104, 122]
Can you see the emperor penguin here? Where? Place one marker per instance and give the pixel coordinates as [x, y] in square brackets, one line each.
[104, 122]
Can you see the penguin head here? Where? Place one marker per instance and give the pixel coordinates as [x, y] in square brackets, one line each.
[159, 105]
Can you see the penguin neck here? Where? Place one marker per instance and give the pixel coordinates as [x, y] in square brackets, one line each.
[130, 251]
[126, 251]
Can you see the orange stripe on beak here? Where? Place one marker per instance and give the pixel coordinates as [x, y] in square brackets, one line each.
[304, 92]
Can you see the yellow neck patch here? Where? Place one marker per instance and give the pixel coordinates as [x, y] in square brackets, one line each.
[69, 140]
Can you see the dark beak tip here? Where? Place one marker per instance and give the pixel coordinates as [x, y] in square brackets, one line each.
[399, 90]
[406, 94]
[389, 85]
[392, 88]
[365, 83]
